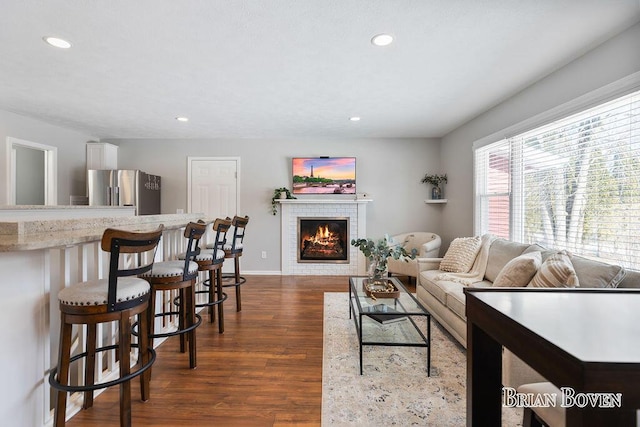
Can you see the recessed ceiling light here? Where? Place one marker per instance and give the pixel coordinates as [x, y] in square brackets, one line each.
[354, 119]
[57, 42]
[382, 39]
[182, 119]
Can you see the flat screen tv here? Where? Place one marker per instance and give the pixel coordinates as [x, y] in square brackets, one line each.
[324, 175]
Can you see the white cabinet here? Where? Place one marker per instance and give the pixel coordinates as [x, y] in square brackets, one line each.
[101, 155]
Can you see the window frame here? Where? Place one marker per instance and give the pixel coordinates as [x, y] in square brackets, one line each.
[516, 147]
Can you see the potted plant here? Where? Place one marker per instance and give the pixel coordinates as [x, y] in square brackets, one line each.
[435, 180]
[279, 193]
[378, 252]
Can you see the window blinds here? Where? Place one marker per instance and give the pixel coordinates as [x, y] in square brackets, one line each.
[572, 184]
[493, 189]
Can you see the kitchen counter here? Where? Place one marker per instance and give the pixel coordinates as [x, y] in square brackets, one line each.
[40, 212]
[24, 235]
[55, 207]
[39, 257]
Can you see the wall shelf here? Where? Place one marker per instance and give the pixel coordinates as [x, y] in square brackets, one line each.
[435, 201]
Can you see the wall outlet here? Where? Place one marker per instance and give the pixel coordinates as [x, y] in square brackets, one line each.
[179, 211]
[264, 254]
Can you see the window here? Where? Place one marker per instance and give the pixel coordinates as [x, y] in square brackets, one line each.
[572, 184]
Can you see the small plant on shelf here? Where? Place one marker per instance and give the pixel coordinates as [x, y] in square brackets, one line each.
[277, 195]
[435, 180]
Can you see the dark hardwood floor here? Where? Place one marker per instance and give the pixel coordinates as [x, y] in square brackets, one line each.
[264, 370]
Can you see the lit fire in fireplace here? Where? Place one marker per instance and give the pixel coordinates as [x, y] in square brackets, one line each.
[324, 236]
[323, 240]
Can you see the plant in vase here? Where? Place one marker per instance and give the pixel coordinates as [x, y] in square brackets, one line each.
[435, 180]
[278, 194]
[378, 252]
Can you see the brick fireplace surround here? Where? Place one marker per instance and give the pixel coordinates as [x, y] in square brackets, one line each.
[291, 209]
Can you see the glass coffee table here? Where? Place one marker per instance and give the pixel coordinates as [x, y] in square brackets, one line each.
[388, 320]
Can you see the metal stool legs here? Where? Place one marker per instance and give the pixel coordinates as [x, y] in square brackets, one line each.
[188, 320]
[59, 377]
[215, 296]
[235, 279]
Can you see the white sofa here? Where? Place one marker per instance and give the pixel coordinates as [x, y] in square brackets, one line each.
[445, 299]
[426, 245]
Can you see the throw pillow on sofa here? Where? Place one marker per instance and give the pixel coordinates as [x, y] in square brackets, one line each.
[597, 274]
[461, 254]
[556, 272]
[519, 271]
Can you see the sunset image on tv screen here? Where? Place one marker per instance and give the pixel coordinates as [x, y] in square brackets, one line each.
[320, 175]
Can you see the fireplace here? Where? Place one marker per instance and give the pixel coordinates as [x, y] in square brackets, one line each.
[293, 209]
[323, 240]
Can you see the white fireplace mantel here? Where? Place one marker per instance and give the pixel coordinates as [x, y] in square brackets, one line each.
[291, 209]
[323, 201]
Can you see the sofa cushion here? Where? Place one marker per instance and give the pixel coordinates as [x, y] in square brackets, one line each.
[500, 253]
[546, 253]
[448, 293]
[461, 254]
[631, 279]
[435, 287]
[556, 272]
[482, 284]
[519, 271]
[455, 298]
[456, 301]
[597, 274]
[535, 248]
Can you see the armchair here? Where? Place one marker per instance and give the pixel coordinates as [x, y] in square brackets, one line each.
[425, 243]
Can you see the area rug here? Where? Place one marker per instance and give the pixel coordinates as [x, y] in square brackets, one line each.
[394, 389]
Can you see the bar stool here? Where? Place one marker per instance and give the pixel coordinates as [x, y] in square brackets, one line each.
[115, 299]
[178, 275]
[234, 250]
[211, 260]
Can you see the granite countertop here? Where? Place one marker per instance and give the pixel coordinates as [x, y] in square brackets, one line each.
[43, 234]
[38, 212]
[56, 207]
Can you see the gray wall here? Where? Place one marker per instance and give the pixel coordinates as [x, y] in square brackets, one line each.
[616, 59]
[388, 169]
[71, 152]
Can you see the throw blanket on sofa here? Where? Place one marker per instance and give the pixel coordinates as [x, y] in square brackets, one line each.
[476, 274]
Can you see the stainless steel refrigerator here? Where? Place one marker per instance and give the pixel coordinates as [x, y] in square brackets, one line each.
[124, 188]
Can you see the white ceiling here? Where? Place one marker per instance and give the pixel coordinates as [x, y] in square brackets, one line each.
[286, 68]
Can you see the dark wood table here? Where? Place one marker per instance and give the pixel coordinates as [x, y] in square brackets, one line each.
[586, 339]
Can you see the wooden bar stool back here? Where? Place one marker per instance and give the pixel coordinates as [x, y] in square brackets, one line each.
[211, 260]
[118, 298]
[178, 275]
[234, 250]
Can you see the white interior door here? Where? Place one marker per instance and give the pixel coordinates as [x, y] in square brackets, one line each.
[214, 186]
[30, 174]
[48, 171]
